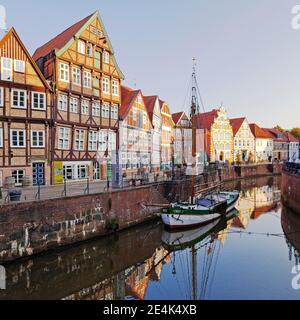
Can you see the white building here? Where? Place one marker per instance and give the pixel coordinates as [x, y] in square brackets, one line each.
[264, 145]
[153, 107]
[243, 147]
[293, 154]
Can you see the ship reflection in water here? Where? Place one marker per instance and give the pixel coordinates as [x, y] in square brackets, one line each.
[248, 255]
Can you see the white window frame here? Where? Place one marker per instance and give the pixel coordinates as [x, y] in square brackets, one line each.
[81, 47]
[115, 88]
[105, 85]
[40, 94]
[64, 138]
[19, 66]
[1, 138]
[38, 132]
[79, 139]
[93, 140]
[18, 182]
[74, 103]
[76, 76]
[114, 112]
[19, 92]
[96, 109]
[6, 72]
[105, 111]
[106, 57]
[87, 79]
[90, 47]
[85, 106]
[1, 97]
[64, 72]
[62, 102]
[18, 138]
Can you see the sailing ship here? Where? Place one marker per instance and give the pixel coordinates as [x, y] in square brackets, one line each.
[201, 210]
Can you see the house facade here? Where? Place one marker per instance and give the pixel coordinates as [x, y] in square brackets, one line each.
[167, 137]
[153, 108]
[280, 144]
[135, 134]
[263, 147]
[182, 140]
[244, 148]
[82, 68]
[293, 154]
[25, 114]
[218, 135]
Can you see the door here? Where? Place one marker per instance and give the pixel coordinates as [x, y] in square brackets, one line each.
[38, 174]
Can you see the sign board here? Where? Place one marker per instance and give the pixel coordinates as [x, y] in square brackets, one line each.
[58, 172]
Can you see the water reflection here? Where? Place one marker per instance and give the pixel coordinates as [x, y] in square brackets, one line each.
[245, 256]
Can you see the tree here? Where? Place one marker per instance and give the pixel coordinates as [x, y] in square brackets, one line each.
[279, 128]
[296, 132]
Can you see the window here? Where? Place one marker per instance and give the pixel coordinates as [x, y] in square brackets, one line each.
[93, 141]
[18, 138]
[82, 172]
[102, 141]
[6, 69]
[134, 114]
[18, 175]
[68, 172]
[76, 76]
[37, 139]
[62, 102]
[105, 111]
[145, 119]
[96, 109]
[19, 99]
[115, 112]
[105, 85]
[85, 107]
[81, 47]
[63, 138]
[1, 137]
[115, 88]
[1, 97]
[79, 139]
[19, 66]
[106, 57]
[89, 50]
[64, 72]
[73, 105]
[87, 79]
[38, 101]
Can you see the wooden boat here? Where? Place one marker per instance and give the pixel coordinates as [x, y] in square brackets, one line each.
[205, 210]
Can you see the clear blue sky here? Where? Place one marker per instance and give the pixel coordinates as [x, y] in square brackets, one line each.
[248, 54]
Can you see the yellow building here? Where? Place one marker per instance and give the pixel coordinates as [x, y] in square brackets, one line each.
[167, 136]
[218, 134]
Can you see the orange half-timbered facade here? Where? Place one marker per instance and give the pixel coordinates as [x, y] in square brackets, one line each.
[25, 116]
[81, 65]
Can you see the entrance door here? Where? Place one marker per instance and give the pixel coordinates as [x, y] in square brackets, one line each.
[244, 155]
[38, 174]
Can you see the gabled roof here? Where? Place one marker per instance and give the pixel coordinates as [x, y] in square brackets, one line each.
[150, 105]
[277, 135]
[205, 120]
[236, 124]
[64, 40]
[128, 97]
[259, 133]
[177, 117]
[36, 68]
[290, 137]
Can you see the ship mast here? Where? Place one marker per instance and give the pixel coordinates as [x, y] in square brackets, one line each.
[194, 130]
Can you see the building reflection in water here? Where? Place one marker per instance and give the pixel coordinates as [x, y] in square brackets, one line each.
[123, 266]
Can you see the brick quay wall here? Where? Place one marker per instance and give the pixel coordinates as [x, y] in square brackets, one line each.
[290, 187]
[31, 228]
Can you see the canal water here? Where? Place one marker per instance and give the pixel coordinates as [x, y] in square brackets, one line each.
[252, 254]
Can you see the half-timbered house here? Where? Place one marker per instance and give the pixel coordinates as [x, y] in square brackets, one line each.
[25, 115]
[81, 65]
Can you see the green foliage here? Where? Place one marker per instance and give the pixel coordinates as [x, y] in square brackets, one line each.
[279, 128]
[296, 132]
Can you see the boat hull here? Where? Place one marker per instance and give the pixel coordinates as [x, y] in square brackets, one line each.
[173, 221]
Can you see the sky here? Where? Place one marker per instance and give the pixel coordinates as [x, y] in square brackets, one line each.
[248, 54]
